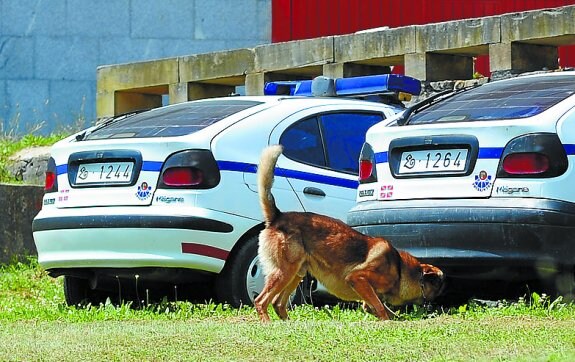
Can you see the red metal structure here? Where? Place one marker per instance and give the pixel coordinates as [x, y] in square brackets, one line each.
[303, 19]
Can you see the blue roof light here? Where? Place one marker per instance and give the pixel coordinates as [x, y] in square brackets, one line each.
[355, 86]
[292, 88]
[373, 84]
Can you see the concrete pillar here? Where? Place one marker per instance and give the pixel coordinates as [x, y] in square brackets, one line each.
[438, 66]
[132, 101]
[206, 90]
[521, 57]
[255, 84]
[178, 93]
[105, 103]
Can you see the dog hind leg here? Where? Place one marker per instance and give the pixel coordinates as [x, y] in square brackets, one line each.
[281, 301]
[276, 282]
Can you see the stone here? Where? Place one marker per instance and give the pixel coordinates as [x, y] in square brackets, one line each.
[29, 165]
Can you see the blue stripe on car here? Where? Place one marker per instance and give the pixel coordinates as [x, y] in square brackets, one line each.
[322, 179]
[490, 152]
[61, 169]
[153, 166]
[237, 166]
[300, 175]
[381, 157]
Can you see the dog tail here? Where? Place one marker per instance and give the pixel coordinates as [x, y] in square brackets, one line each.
[266, 167]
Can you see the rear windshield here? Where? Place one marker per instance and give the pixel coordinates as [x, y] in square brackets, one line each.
[176, 120]
[516, 98]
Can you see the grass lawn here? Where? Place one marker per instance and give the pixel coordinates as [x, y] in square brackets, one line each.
[35, 324]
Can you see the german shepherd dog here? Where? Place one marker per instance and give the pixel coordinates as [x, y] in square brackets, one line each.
[352, 266]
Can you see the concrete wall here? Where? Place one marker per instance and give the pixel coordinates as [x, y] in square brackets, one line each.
[515, 43]
[20, 204]
[50, 49]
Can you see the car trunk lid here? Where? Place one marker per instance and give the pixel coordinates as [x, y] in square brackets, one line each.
[427, 162]
[110, 173]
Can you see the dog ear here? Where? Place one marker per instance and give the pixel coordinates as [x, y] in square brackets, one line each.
[431, 273]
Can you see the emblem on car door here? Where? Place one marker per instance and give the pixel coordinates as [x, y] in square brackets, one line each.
[144, 191]
[482, 181]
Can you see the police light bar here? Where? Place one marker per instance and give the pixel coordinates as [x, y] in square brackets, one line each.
[373, 84]
[292, 88]
[354, 86]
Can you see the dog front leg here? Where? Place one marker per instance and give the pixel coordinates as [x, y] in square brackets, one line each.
[360, 284]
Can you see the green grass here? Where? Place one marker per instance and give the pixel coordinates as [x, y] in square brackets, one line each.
[35, 324]
[11, 145]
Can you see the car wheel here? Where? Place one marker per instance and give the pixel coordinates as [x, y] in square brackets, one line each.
[242, 279]
[77, 292]
[562, 283]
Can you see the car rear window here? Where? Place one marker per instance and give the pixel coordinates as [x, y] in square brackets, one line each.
[176, 120]
[520, 97]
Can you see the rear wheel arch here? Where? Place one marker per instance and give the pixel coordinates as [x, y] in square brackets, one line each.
[229, 285]
[241, 279]
[253, 232]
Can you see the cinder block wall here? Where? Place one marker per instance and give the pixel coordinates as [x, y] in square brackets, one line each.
[49, 50]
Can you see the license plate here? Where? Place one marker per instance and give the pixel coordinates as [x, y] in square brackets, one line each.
[433, 161]
[105, 172]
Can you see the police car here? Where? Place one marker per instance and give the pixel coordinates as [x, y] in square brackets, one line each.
[479, 181]
[164, 202]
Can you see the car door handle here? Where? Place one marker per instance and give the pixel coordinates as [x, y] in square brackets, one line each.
[313, 191]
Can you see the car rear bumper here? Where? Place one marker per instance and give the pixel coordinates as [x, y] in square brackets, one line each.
[132, 237]
[478, 237]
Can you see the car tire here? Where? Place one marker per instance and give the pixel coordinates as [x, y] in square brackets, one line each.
[242, 278]
[77, 292]
[561, 284]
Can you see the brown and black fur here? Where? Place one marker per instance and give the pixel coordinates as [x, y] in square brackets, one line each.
[352, 266]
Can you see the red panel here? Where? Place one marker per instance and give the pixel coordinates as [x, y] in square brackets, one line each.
[281, 21]
[303, 19]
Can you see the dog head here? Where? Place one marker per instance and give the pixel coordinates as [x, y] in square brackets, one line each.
[432, 281]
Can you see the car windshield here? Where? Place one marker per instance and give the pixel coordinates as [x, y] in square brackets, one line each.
[176, 120]
[516, 98]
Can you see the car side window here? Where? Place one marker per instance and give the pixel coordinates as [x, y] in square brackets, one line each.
[331, 140]
[344, 135]
[302, 142]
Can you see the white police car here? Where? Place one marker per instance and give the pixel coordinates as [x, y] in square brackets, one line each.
[165, 202]
[481, 181]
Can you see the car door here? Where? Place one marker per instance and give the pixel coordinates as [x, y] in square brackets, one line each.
[321, 158]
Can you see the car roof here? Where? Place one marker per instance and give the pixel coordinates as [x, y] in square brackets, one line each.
[514, 98]
[188, 117]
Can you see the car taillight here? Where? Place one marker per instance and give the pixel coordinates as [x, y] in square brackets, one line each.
[367, 170]
[183, 176]
[191, 169]
[527, 163]
[51, 179]
[533, 155]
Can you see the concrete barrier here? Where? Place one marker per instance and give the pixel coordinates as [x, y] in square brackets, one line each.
[20, 204]
[515, 43]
